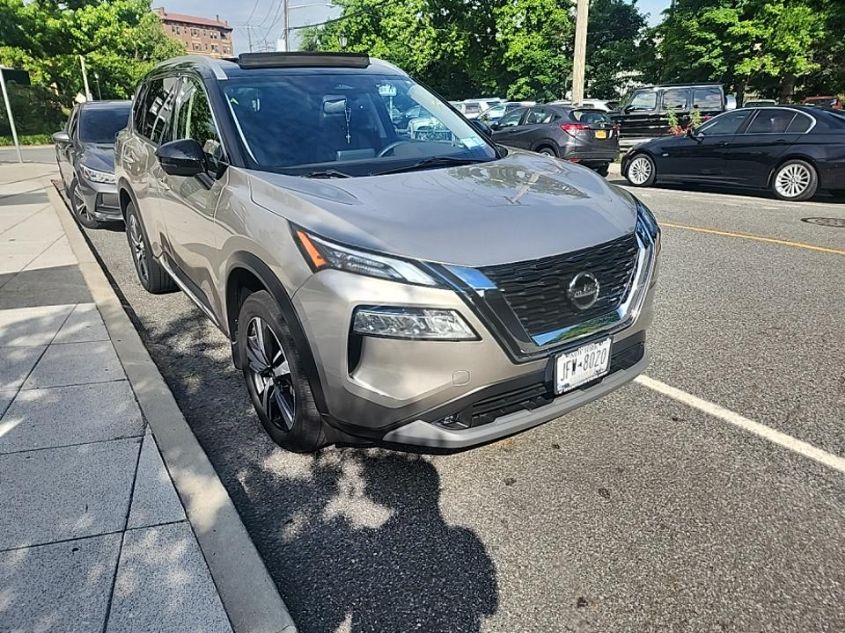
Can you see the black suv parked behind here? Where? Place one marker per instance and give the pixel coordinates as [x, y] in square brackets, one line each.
[644, 113]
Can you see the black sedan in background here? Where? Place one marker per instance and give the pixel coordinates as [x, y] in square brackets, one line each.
[793, 151]
[85, 153]
[580, 135]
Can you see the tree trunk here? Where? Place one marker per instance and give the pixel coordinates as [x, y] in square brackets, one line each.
[787, 87]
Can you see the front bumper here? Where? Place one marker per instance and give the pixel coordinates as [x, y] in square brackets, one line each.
[101, 200]
[410, 391]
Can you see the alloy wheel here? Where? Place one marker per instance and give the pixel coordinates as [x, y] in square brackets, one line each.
[139, 251]
[270, 374]
[793, 180]
[79, 204]
[639, 171]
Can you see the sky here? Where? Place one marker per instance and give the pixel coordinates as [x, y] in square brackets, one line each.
[262, 18]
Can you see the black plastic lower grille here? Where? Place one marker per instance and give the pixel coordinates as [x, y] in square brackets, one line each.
[536, 290]
[538, 394]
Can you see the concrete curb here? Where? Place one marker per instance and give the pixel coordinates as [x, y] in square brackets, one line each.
[249, 595]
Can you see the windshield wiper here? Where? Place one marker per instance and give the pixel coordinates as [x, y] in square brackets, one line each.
[433, 161]
[327, 173]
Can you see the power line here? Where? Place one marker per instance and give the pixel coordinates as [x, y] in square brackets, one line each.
[343, 17]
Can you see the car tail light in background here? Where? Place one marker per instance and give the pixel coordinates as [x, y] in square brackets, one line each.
[574, 128]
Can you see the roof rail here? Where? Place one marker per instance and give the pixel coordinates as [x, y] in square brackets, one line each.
[302, 59]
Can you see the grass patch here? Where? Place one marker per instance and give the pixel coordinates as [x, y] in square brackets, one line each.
[28, 139]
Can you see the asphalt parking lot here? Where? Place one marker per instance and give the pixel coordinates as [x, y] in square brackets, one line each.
[636, 513]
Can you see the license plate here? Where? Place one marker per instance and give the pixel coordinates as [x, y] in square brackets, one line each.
[601, 134]
[582, 365]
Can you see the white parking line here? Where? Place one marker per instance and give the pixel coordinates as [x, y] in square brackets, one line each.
[761, 430]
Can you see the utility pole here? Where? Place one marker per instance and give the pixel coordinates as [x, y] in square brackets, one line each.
[283, 44]
[579, 62]
[9, 114]
[85, 79]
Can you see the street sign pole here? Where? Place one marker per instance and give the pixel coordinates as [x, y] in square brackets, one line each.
[11, 118]
[85, 79]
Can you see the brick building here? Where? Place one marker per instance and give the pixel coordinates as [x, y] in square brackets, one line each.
[201, 36]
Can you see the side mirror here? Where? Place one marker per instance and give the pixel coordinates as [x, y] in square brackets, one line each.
[692, 134]
[61, 138]
[182, 158]
[494, 126]
[628, 108]
[482, 127]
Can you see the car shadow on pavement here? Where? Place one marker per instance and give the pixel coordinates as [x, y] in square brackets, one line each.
[353, 538]
[361, 537]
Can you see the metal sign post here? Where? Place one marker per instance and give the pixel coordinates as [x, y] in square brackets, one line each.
[9, 114]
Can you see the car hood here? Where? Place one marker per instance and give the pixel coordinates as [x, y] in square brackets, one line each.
[99, 157]
[522, 207]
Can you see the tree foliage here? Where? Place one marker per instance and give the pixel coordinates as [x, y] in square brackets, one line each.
[767, 45]
[518, 48]
[121, 40]
[614, 45]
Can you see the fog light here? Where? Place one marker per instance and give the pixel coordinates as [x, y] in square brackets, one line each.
[412, 323]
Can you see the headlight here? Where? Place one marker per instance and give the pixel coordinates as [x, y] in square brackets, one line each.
[320, 254]
[648, 223]
[97, 176]
[412, 323]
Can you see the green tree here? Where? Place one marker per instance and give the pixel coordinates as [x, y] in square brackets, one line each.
[121, 40]
[617, 31]
[518, 48]
[768, 45]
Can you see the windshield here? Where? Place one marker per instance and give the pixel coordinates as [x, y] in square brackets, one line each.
[101, 125]
[355, 124]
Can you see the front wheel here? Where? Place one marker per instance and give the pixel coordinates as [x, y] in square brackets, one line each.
[151, 274]
[795, 180]
[273, 371]
[80, 207]
[603, 169]
[641, 171]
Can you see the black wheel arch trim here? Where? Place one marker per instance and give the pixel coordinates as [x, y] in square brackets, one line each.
[262, 272]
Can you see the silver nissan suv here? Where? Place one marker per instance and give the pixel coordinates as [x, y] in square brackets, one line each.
[384, 271]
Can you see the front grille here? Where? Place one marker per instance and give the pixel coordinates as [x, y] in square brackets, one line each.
[540, 393]
[536, 290]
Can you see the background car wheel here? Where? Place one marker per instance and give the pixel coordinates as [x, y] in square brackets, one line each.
[641, 171]
[152, 276]
[547, 150]
[272, 368]
[80, 207]
[603, 170]
[795, 180]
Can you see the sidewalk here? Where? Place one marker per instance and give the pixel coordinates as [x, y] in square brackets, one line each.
[93, 536]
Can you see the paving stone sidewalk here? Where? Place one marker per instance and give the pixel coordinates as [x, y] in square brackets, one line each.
[93, 536]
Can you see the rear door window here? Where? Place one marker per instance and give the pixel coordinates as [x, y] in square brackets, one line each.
[707, 98]
[771, 121]
[676, 99]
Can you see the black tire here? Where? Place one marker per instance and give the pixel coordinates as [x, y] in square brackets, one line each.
[603, 169]
[277, 386]
[641, 171]
[152, 276]
[795, 181]
[80, 207]
[547, 150]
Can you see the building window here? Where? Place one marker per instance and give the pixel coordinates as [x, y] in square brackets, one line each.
[195, 32]
[222, 36]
